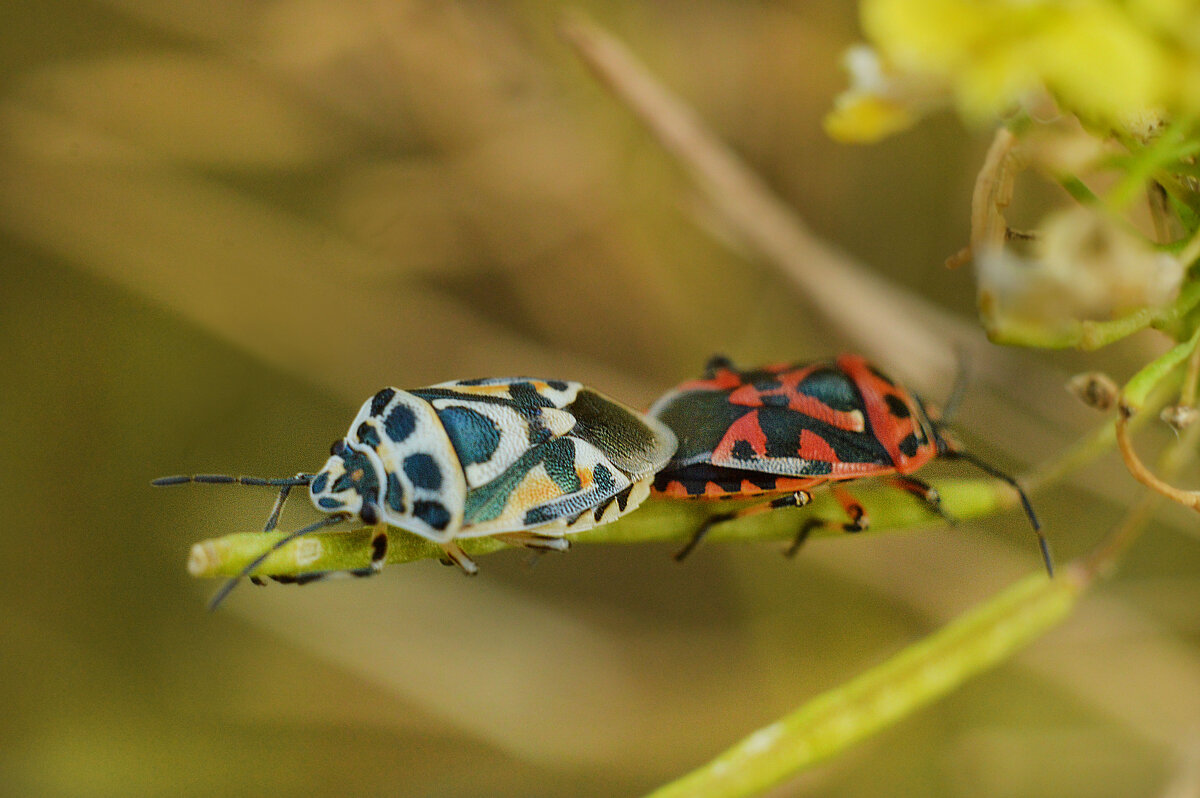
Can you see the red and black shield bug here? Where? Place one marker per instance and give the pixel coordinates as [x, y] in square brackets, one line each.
[783, 429]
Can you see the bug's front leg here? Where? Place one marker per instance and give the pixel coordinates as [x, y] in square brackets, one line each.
[454, 555]
[796, 499]
[379, 550]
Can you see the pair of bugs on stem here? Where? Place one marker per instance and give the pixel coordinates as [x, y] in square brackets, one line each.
[531, 461]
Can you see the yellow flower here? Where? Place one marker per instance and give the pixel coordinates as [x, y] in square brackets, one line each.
[1102, 60]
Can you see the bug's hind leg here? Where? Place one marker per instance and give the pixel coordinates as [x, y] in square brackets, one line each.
[534, 540]
[925, 492]
[858, 520]
[797, 499]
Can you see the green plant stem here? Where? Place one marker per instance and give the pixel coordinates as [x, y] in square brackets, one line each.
[977, 640]
[658, 520]
[1089, 335]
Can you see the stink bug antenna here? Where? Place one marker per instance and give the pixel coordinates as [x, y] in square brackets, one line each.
[228, 587]
[226, 479]
[958, 391]
[285, 485]
[991, 470]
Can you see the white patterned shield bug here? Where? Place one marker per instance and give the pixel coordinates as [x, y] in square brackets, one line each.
[525, 460]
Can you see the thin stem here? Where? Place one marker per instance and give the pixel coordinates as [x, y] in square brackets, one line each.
[657, 520]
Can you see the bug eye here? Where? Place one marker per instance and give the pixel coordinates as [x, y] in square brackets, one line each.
[337, 448]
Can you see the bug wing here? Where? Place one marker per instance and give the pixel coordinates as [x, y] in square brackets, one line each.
[591, 474]
[637, 444]
[550, 489]
[777, 440]
[492, 422]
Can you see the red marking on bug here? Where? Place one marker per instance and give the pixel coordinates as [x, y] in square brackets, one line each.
[814, 447]
[745, 429]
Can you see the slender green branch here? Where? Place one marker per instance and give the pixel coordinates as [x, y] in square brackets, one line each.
[1089, 335]
[658, 520]
[980, 639]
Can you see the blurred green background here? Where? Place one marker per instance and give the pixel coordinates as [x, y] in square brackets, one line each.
[224, 224]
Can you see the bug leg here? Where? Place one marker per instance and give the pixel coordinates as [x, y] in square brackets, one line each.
[858, 521]
[456, 556]
[533, 540]
[273, 520]
[379, 550]
[925, 492]
[699, 534]
[797, 499]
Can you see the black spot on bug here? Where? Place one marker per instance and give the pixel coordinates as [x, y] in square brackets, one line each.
[423, 471]
[623, 498]
[538, 433]
[559, 462]
[897, 406]
[330, 503]
[833, 387]
[359, 476]
[380, 400]
[742, 450]
[770, 383]
[774, 400]
[526, 396]
[909, 446]
[602, 478]
[433, 513]
[557, 385]
[369, 514]
[395, 495]
[337, 447]
[539, 515]
[598, 512]
[318, 484]
[400, 423]
[379, 547]
[473, 435]
[367, 434]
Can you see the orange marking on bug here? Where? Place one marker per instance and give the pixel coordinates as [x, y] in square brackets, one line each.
[714, 491]
[585, 477]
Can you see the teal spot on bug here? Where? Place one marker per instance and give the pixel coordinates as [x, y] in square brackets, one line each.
[602, 478]
[400, 423]
[422, 470]
[319, 484]
[330, 503]
[433, 513]
[473, 435]
[559, 462]
[540, 515]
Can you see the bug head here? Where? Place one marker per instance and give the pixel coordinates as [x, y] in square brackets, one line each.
[348, 482]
